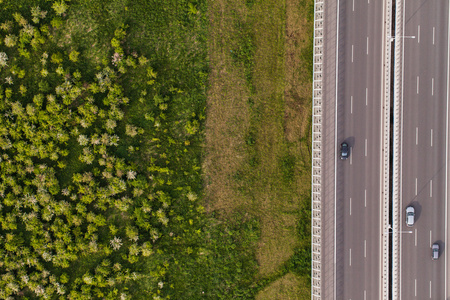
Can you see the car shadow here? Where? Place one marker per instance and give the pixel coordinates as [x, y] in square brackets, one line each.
[351, 144]
[417, 209]
[441, 247]
[350, 141]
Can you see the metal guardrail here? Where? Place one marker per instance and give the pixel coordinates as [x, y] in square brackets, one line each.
[396, 140]
[386, 150]
[316, 230]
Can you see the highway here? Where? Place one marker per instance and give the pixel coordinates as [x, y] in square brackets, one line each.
[424, 147]
[353, 190]
[358, 184]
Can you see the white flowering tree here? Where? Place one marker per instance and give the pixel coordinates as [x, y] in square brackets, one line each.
[116, 243]
[3, 59]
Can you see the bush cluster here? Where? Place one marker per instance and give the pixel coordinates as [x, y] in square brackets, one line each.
[81, 207]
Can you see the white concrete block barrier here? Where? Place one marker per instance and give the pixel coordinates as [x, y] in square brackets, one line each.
[396, 145]
[385, 151]
[316, 182]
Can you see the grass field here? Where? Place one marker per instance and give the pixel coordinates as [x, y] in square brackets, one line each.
[221, 90]
[257, 157]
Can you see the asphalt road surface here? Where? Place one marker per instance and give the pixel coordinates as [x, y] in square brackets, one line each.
[423, 161]
[358, 186]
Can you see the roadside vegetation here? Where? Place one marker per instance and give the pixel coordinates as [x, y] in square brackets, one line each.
[155, 149]
[257, 133]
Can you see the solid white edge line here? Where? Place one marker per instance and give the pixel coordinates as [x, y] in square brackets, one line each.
[446, 155]
[382, 203]
[335, 143]
[401, 151]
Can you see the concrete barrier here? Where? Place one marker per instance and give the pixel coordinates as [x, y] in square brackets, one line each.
[316, 204]
[396, 140]
[384, 226]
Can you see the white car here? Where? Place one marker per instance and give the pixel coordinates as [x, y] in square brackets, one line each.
[410, 216]
[435, 251]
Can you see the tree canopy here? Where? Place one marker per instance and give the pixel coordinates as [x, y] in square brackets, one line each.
[88, 187]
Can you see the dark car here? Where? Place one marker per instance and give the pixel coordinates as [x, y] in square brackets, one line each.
[344, 150]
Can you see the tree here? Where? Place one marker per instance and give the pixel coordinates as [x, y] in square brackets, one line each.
[59, 7]
[73, 56]
[37, 14]
[3, 59]
[116, 243]
[10, 40]
[64, 177]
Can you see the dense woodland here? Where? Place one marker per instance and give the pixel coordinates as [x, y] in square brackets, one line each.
[98, 168]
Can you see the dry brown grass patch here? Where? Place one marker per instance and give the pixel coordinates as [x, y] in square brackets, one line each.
[289, 287]
[227, 110]
[278, 240]
[278, 118]
[298, 89]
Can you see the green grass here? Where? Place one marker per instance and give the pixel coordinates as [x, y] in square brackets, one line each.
[263, 167]
[258, 238]
[223, 267]
[172, 36]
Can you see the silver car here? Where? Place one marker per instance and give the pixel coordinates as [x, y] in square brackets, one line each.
[435, 251]
[410, 216]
